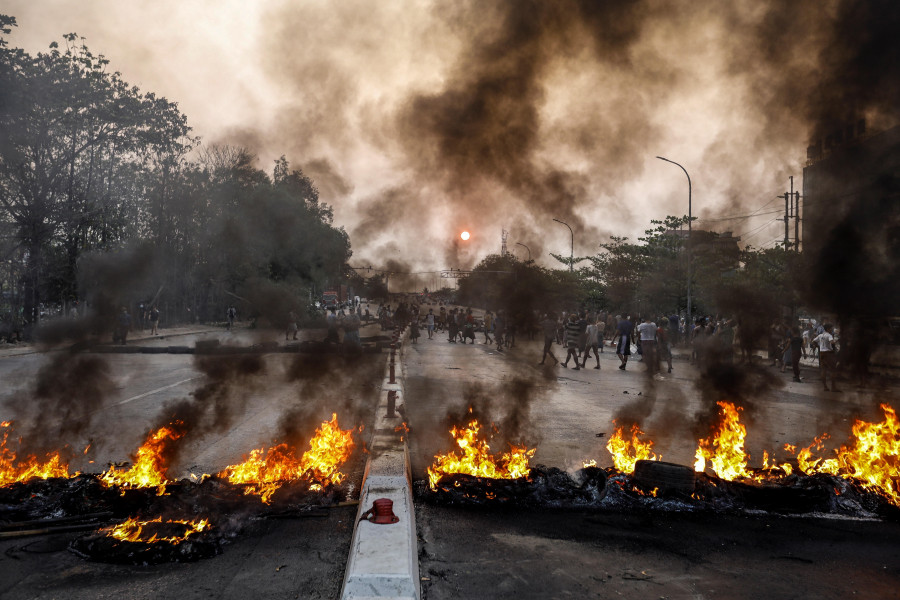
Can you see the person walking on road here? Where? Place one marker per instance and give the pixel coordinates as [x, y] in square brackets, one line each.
[647, 331]
[469, 327]
[593, 337]
[414, 331]
[624, 332]
[499, 329]
[429, 323]
[548, 326]
[154, 320]
[230, 314]
[488, 324]
[573, 332]
[827, 360]
[452, 329]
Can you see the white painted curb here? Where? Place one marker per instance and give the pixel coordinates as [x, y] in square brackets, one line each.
[383, 560]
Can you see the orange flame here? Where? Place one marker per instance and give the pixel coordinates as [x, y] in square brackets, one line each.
[330, 448]
[773, 470]
[625, 453]
[149, 468]
[724, 449]
[477, 460]
[12, 469]
[132, 530]
[872, 457]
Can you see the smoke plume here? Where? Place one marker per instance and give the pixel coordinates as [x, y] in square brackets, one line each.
[61, 404]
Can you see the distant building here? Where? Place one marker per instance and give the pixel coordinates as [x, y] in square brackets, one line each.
[851, 171]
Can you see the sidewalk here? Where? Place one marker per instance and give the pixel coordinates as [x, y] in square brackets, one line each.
[23, 348]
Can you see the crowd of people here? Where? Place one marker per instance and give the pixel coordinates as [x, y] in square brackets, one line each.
[584, 335]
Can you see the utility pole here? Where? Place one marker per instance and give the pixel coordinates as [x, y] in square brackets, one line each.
[797, 222]
[788, 196]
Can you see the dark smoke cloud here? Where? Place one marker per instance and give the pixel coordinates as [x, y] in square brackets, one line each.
[741, 385]
[861, 65]
[379, 213]
[486, 124]
[111, 281]
[231, 381]
[501, 111]
[326, 384]
[504, 411]
[61, 404]
[331, 183]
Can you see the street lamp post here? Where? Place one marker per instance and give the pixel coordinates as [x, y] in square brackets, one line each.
[689, 322]
[527, 248]
[572, 252]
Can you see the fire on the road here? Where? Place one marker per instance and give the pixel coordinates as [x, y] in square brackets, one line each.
[625, 452]
[724, 449]
[14, 469]
[872, 456]
[155, 530]
[265, 472]
[149, 468]
[475, 458]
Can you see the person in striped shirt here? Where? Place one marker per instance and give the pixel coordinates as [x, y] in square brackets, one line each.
[573, 333]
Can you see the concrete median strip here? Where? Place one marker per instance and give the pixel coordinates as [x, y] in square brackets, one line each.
[383, 561]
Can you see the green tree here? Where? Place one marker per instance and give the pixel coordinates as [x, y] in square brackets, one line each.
[69, 127]
[522, 290]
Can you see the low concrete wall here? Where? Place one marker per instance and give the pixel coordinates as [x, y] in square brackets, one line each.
[383, 561]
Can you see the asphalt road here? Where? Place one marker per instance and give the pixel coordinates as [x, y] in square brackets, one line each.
[565, 415]
[676, 556]
[612, 553]
[296, 557]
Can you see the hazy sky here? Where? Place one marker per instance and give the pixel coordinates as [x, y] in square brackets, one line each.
[418, 119]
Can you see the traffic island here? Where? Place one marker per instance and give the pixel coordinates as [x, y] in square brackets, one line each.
[383, 561]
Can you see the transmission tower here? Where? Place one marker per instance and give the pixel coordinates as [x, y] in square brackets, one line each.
[503, 236]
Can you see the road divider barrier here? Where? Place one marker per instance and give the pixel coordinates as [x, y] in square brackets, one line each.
[383, 561]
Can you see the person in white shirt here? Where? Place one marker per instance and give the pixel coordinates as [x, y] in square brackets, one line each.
[429, 323]
[827, 359]
[590, 344]
[647, 331]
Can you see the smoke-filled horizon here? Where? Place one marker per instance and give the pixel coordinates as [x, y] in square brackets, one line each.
[417, 120]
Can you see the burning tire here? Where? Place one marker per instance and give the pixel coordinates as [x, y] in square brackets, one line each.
[166, 541]
[668, 478]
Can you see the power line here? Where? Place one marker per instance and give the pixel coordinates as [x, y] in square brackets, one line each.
[747, 235]
[745, 216]
[775, 239]
[750, 216]
[756, 213]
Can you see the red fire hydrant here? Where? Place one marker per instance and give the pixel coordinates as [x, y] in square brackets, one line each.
[381, 513]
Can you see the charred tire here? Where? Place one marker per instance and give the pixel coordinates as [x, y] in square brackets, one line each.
[665, 476]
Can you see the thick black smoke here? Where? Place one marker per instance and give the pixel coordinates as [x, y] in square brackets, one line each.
[324, 384]
[231, 381]
[62, 403]
[485, 128]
